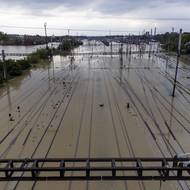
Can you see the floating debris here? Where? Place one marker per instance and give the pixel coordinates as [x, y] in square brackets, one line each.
[11, 118]
[18, 108]
[128, 105]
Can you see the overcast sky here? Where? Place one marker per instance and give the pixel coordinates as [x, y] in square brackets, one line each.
[118, 16]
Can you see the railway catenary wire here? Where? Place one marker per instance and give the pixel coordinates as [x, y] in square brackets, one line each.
[24, 82]
[26, 94]
[91, 118]
[138, 111]
[14, 140]
[52, 141]
[170, 79]
[42, 94]
[167, 143]
[164, 119]
[134, 95]
[23, 97]
[155, 101]
[148, 127]
[113, 122]
[38, 113]
[165, 122]
[146, 124]
[171, 62]
[159, 93]
[179, 86]
[169, 103]
[82, 115]
[23, 117]
[29, 92]
[152, 117]
[49, 124]
[30, 112]
[142, 79]
[123, 125]
[64, 96]
[80, 127]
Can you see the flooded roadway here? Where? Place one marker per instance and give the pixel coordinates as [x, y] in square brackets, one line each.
[60, 115]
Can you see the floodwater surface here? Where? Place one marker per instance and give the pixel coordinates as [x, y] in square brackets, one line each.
[60, 114]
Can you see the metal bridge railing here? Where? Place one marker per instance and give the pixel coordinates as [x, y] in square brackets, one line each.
[94, 169]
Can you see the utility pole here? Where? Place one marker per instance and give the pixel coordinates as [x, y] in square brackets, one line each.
[4, 65]
[68, 33]
[150, 49]
[52, 37]
[121, 55]
[155, 31]
[151, 32]
[178, 56]
[45, 28]
[111, 48]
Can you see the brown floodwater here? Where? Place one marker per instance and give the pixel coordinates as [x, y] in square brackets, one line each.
[60, 114]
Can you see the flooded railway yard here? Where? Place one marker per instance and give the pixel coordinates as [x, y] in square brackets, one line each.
[97, 106]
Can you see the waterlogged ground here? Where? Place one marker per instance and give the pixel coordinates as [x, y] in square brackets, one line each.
[60, 114]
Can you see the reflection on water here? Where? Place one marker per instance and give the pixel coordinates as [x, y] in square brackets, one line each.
[23, 49]
[121, 70]
[144, 96]
[14, 84]
[8, 95]
[171, 115]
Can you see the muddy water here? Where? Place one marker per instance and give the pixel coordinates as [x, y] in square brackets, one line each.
[60, 114]
[23, 49]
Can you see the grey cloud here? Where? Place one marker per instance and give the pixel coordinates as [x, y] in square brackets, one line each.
[139, 9]
[103, 6]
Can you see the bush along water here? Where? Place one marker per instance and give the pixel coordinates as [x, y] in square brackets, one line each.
[16, 67]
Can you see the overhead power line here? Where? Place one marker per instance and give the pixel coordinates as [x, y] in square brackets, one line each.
[71, 29]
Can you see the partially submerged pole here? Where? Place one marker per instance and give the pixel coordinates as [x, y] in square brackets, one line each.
[4, 66]
[45, 28]
[177, 65]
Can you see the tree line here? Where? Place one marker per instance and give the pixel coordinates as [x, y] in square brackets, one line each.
[169, 42]
[16, 67]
